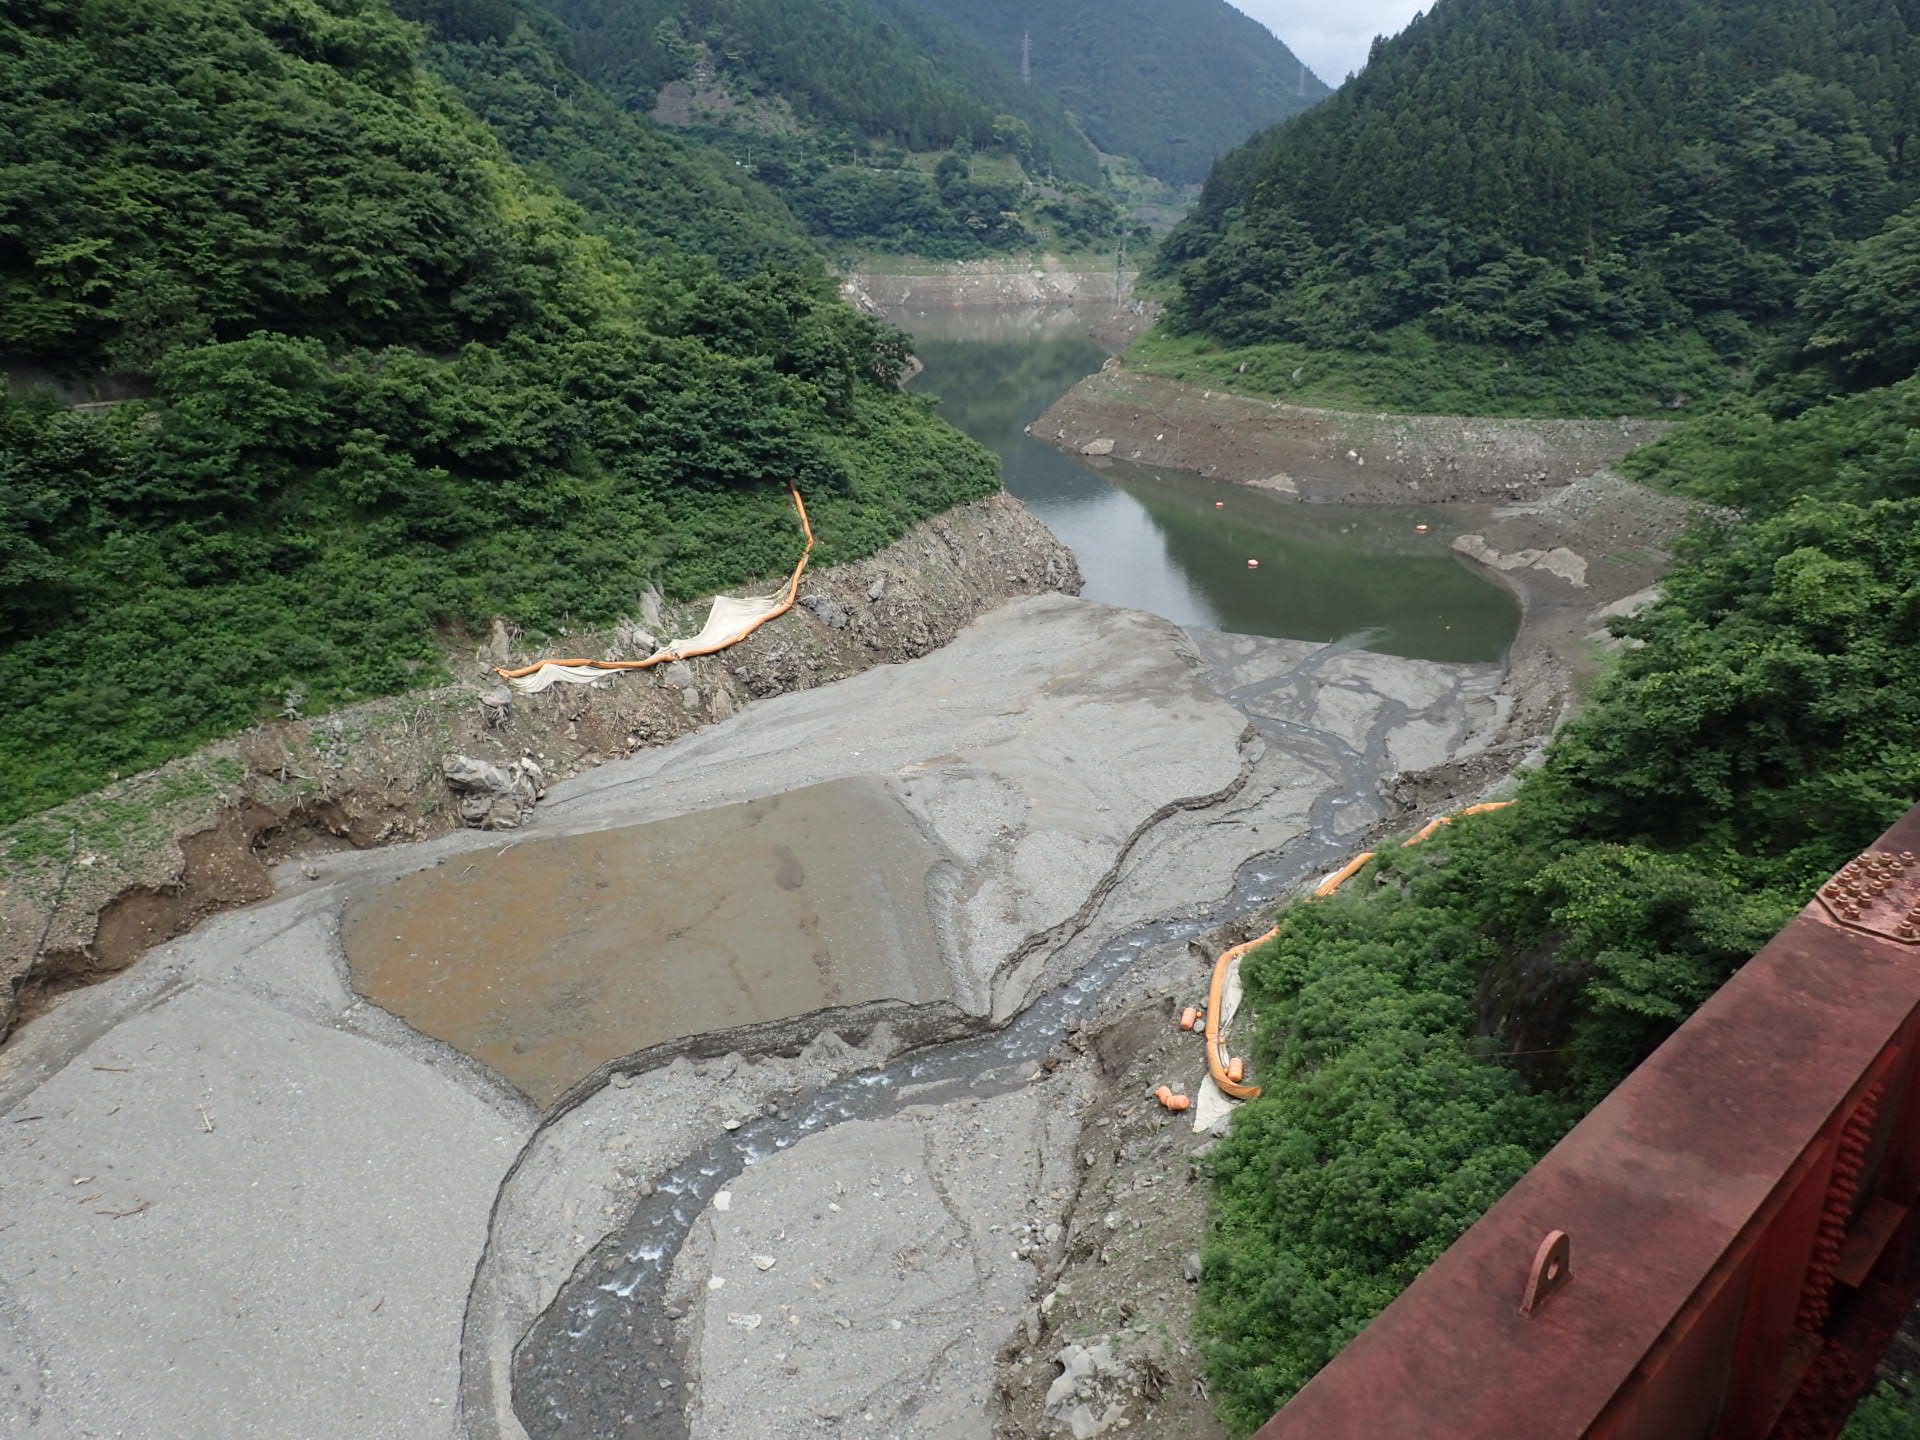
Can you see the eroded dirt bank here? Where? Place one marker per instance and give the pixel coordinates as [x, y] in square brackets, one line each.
[85, 889]
[1331, 454]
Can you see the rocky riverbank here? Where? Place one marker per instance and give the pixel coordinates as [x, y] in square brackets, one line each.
[1549, 519]
[1332, 455]
[710, 1160]
[85, 889]
[1107, 1346]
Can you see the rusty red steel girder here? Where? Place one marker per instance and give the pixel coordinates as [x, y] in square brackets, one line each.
[1720, 1250]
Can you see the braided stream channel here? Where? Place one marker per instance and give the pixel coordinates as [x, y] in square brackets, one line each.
[603, 1359]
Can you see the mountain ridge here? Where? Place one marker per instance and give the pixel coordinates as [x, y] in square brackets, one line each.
[844, 64]
[1172, 83]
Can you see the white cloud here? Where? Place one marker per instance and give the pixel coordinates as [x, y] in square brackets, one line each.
[1332, 36]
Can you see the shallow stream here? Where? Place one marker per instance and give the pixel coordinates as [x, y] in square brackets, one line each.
[602, 1361]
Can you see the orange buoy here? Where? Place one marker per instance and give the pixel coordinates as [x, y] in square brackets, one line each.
[1189, 1017]
[1167, 1097]
[1253, 564]
[1236, 1069]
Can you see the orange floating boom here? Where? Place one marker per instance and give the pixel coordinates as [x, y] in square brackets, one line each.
[788, 596]
[1229, 1076]
[1439, 820]
[1216, 1067]
[1340, 877]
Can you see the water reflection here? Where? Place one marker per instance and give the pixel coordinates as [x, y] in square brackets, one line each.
[1177, 544]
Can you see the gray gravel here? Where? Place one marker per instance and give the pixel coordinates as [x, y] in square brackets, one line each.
[241, 1210]
[869, 1276]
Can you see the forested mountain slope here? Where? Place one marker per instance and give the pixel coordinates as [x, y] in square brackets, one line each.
[1763, 731]
[1173, 83]
[880, 69]
[1520, 174]
[397, 383]
[840, 108]
[638, 181]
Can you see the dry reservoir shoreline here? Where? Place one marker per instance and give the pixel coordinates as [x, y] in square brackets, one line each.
[1572, 539]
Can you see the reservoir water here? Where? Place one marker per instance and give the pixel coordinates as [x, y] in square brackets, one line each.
[1177, 544]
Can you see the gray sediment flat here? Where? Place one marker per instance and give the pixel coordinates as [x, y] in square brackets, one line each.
[243, 1199]
[546, 958]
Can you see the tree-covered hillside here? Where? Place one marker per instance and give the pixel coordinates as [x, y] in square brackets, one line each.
[748, 199]
[1763, 731]
[881, 70]
[640, 183]
[1519, 174]
[396, 382]
[1173, 83]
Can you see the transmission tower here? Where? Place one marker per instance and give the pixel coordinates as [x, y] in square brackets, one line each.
[1026, 57]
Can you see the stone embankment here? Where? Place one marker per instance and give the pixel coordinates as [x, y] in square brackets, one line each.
[86, 888]
[1038, 280]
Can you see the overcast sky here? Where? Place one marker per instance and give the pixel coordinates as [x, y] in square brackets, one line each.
[1332, 36]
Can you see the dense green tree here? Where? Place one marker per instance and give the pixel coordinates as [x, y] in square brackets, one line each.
[880, 69]
[1336, 1188]
[1082, 219]
[1863, 314]
[1762, 730]
[946, 216]
[1887, 1412]
[1518, 172]
[645, 188]
[463, 21]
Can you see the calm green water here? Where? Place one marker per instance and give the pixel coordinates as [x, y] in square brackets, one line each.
[1156, 540]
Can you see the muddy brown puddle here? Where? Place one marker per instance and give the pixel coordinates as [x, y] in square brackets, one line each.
[544, 958]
